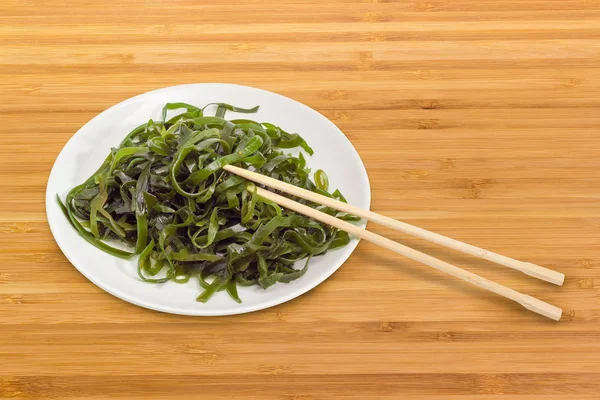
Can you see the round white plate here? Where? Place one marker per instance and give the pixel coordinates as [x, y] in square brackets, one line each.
[86, 150]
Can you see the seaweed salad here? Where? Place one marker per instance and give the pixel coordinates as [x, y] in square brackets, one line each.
[164, 195]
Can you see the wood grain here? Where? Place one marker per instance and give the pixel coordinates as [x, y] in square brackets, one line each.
[478, 120]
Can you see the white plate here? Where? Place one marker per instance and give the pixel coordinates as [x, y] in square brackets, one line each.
[86, 150]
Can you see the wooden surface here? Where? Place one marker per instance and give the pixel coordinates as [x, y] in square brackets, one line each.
[475, 119]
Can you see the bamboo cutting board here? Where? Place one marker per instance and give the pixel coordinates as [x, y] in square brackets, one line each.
[478, 120]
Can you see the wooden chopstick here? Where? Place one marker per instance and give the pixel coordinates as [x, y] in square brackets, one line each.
[530, 269]
[530, 303]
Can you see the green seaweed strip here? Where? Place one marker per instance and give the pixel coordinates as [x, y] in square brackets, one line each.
[229, 107]
[210, 290]
[321, 180]
[177, 106]
[89, 237]
[232, 291]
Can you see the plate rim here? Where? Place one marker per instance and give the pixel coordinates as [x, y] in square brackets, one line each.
[50, 202]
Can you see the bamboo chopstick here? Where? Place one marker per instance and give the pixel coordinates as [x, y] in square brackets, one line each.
[530, 269]
[529, 302]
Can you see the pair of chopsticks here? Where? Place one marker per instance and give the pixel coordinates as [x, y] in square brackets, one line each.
[529, 302]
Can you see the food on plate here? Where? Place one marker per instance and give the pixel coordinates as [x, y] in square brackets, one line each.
[163, 196]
